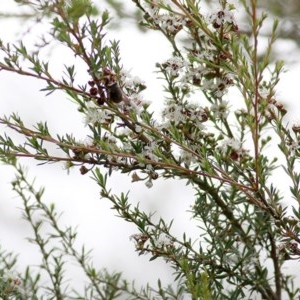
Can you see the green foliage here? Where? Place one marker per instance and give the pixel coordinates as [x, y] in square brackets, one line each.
[217, 145]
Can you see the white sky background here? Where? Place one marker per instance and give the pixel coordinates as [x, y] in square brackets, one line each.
[77, 196]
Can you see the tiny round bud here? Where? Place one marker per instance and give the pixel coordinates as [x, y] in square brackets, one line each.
[93, 91]
[296, 127]
[100, 100]
[154, 175]
[149, 184]
[204, 117]
[216, 25]
[83, 170]
[234, 155]
[107, 71]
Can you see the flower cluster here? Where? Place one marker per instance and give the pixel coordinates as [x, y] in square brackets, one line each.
[198, 74]
[140, 240]
[184, 113]
[288, 249]
[187, 158]
[167, 22]
[109, 88]
[132, 84]
[10, 285]
[186, 74]
[171, 23]
[162, 241]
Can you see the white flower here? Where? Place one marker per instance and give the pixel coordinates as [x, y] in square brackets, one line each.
[294, 147]
[170, 22]
[140, 240]
[125, 74]
[95, 114]
[132, 82]
[88, 141]
[163, 240]
[173, 112]
[174, 65]
[137, 101]
[148, 152]
[263, 91]
[153, 8]
[127, 146]
[129, 82]
[187, 157]
[208, 85]
[110, 139]
[135, 236]
[218, 87]
[135, 105]
[221, 85]
[12, 282]
[230, 143]
[138, 128]
[221, 17]
[206, 54]
[220, 109]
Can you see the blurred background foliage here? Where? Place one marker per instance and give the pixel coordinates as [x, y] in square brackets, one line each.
[288, 11]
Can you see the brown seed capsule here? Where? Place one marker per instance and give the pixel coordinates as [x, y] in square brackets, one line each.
[93, 91]
[83, 170]
[154, 175]
[135, 177]
[204, 117]
[234, 155]
[296, 128]
[100, 100]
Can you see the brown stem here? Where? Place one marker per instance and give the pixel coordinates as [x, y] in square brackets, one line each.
[255, 131]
